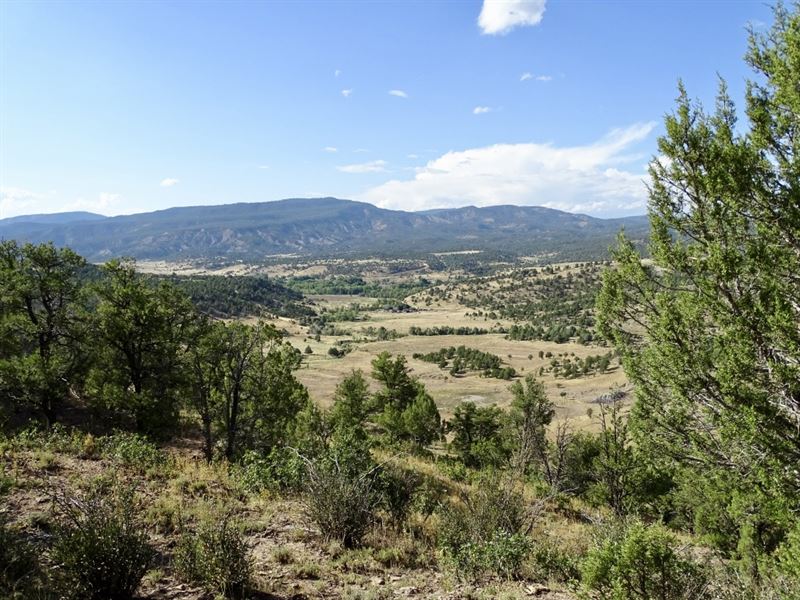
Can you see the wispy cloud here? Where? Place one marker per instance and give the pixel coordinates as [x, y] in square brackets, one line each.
[330, 149]
[528, 76]
[18, 201]
[590, 178]
[105, 202]
[498, 17]
[169, 182]
[412, 156]
[347, 93]
[481, 110]
[336, 73]
[398, 93]
[373, 166]
[263, 167]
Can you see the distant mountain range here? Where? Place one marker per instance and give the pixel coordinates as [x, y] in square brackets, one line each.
[324, 227]
[54, 219]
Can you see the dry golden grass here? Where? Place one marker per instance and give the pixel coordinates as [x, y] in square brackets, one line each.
[289, 557]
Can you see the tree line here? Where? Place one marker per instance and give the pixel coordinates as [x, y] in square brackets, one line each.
[136, 354]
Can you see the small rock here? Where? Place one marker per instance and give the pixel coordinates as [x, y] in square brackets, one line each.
[377, 581]
[407, 591]
[536, 590]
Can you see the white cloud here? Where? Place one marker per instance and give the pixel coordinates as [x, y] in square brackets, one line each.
[347, 93]
[19, 201]
[374, 166]
[498, 17]
[527, 76]
[169, 182]
[587, 178]
[263, 167]
[336, 73]
[481, 110]
[412, 156]
[104, 202]
[330, 149]
[361, 150]
[398, 93]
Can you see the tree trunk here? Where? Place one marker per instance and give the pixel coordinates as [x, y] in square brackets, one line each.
[232, 423]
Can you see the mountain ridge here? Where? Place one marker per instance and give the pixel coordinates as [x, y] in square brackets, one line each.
[55, 218]
[324, 226]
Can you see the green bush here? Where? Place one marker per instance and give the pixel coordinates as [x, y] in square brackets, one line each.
[782, 570]
[134, 451]
[503, 554]
[342, 491]
[19, 569]
[215, 556]
[453, 469]
[549, 562]
[398, 489]
[483, 534]
[429, 495]
[57, 438]
[641, 562]
[281, 470]
[100, 546]
[788, 555]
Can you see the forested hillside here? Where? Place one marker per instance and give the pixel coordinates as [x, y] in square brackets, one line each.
[240, 296]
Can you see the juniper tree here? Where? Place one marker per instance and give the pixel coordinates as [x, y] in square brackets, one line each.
[709, 328]
[42, 357]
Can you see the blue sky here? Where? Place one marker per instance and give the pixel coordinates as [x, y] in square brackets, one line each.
[124, 107]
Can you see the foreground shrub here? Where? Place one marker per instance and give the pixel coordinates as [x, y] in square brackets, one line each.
[550, 562]
[779, 574]
[398, 489]
[57, 438]
[215, 556]
[342, 489]
[100, 545]
[787, 558]
[429, 495]
[281, 470]
[483, 534]
[641, 562]
[19, 569]
[134, 451]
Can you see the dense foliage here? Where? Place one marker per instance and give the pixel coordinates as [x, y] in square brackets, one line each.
[41, 349]
[355, 285]
[461, 359]
[448, 330]
[240, 295]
